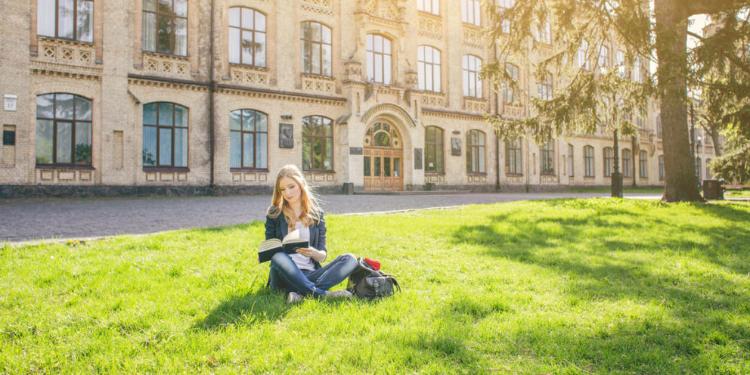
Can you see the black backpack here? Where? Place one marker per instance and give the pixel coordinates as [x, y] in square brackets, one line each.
[368, 283]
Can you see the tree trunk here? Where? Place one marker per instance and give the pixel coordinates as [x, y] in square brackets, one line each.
[671, 50]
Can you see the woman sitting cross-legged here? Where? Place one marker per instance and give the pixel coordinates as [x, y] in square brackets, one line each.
[295, 212]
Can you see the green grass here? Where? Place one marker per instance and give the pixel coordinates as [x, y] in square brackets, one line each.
[737, 194]
[626, 189]
[558, 286]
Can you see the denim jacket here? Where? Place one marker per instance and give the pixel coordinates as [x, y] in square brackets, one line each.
[278, 228]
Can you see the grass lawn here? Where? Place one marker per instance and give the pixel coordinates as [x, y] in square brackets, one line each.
[627, 189]
[737, 194]
[557, 286]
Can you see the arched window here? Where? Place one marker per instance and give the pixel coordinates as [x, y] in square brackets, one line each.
[63, 130]
[588, 161]
[609, 161]
[643, 164]
[627, 167]
[475, 149]
[428, 68]
[316, 48]
[248, 139]
[471, 67]
[379, 59]
[165, 135]
[165, 26]
[247, 37]
[544, 87]
[317, 143]
[513, 158]
[603, 57]
[509, 94]
[547, 158]
[582, 56]
[68, 19]
[433, 150]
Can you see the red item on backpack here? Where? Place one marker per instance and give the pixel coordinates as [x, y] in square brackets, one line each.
[374, 264]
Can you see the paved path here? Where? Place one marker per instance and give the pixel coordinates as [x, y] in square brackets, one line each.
[58, 218]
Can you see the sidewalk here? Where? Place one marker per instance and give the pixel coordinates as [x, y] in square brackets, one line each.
[61, 218]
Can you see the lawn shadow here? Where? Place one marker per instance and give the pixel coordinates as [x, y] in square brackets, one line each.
[246, 309]
[701, 303]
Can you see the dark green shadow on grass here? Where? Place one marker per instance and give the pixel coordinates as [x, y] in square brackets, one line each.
[703, 310]
[246, 309]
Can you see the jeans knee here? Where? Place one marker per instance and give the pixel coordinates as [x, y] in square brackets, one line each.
[348, 258]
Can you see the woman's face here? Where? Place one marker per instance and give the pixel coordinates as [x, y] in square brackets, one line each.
[290, 190]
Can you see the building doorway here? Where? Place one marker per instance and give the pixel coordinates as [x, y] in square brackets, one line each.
[383, 158]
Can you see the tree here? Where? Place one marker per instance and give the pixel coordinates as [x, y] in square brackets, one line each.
[734, 166]
[629, 23]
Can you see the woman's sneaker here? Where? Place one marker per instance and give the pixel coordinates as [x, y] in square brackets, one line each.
[293, 298]
[339, 294]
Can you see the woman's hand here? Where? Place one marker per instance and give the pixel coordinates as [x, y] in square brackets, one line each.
[311, 252]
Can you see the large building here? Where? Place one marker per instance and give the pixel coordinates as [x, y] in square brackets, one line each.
[191, 94]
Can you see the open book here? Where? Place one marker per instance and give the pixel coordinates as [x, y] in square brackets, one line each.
[270, 247]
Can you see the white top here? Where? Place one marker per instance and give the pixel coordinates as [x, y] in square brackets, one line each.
[302, 232]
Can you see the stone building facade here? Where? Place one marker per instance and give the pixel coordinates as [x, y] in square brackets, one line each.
[191, 94]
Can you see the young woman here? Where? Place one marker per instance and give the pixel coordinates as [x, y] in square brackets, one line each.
[295, 211]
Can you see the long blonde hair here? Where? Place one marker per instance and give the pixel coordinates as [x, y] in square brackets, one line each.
[310, 207]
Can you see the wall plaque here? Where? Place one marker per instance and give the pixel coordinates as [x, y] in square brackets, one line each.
[286, 136]
[417, 158]
[355, 151]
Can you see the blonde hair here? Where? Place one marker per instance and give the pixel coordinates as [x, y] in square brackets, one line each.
[310, 207]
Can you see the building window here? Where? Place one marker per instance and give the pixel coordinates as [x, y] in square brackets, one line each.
[661, 167]
[475, 147]
[316, 48]
[428, 68]
[165, 135]
[471, 67]
[248, 139]
[609, 160]
[547, 158]
[433, 149]
[588, 158]
[643, 164]
[165, 26]
[509, 96]
[513, 158]
[571, 165]
[247, 37]
[603, 58]
[63, 130]
[627, 168]
[637, 70]
[378, 59]
[544, 32]
[471, 11]
[67, 19]
[544, 87]
[581, 56]
[505, 5]
[429, 6]
[317, 143]
[620, 61]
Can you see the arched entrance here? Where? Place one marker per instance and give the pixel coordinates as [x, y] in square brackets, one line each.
[383, 158]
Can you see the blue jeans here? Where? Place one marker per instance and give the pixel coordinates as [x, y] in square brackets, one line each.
[285, 275]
